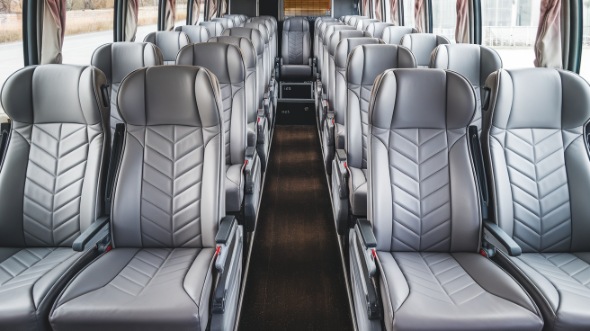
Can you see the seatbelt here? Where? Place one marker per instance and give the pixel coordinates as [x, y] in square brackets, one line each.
[479, 170]
[4, 134]
[113, 163]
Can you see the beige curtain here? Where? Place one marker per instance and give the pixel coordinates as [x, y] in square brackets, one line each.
[196, 11]
[366, 8]
[420, 15]
[52, 31]
[212, 10]
[462, 27]
[378, 9]
[223, 8]
[131, 20]
[548, 41]
[393, 11]
[170, 15]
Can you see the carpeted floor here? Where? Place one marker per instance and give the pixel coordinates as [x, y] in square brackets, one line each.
[295, 280]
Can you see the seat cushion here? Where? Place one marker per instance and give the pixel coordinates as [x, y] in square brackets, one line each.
[234, 189]
[295, 72]
[357, 186]
[452, 291]
[561, 284]
[30, 280]
[140, 289]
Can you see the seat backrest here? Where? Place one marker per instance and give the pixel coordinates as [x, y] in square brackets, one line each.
[362, 24]
[365, 63]
[173, 127]
[169, 42]
[51, 182]
[256, 38]
[236, 19]
[326, 75]
[335, 39]
[343, 49]
[321, 32]
[272, 28]
[261, 27]
[537, 158]
[422, 45]
[422, 192]
[393, 34]
[226, 23]
[249, 57]
[376, 28]
[196, 33]
[215, 28]
[353, 20]
[316, 32]
[474, 62]
[296, 42]
[117, 60]
[227, 64]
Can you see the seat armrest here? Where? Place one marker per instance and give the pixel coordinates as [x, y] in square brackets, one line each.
[261, 127]
[342, 172]
[502, 237]
[250, 166]
[330, 124]
[366, 233]
[228, 249]
[90, 234]
[366, 257]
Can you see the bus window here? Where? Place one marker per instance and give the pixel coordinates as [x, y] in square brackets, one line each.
[89, 24]
[11, 42]
[511, 28]
[585, 63]
[444, 18]
[180, 12]
[147, 18]
[307, 8]
[198, 11]
[409, 13]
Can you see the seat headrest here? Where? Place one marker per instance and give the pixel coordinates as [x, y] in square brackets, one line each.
[376, 28]
[475, 62]
[260, 27]
[215, 28]
[299, 24]
[337, 36]
[393, 34]
[170, 95]
[324, 26]
[245, 46]
[119, 59]
[253, 35]
[332, 29]
[398, 100]
[346, 46]
[195, 33]
[169, 42]
[422, 45]
[366, 62]
[223, 60]
[227, 23]
[538, 98]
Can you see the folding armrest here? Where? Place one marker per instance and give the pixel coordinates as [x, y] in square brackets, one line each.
[496, 237]
[253, 178]
[340, 191]
[263, 137]
[228, 252]
[364, 254]
[95, 233]
[327, 138]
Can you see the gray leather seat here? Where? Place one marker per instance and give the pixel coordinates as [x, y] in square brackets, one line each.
[326, 74]
[474, 62]
[422, 45]
[261, 27]
[169, 42]
[536, 153]
[353, 20]
[333, 128]
[376, 28]
[50, 185]
[272, 90]
[196, 33]
[160, 273]
[237, 19]
[117, 60]
[394, 34]
[365, 63]
[362, 24]
[272, 28]
[257, 126]
[296, 50]
[215, 28]
[226, 23]
[316, 33]
[425, 214]
[226, 62]
[322, 27]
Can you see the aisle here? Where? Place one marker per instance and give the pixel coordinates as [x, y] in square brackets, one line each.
[295, 279]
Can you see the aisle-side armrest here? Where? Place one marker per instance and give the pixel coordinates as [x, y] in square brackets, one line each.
[366, 255]
[342, 172]
[226, 251]
[509, 245]
[91, 234]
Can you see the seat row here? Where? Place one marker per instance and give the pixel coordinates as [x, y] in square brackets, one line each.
[96, 240]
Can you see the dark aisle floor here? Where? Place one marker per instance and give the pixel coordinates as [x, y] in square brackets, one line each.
[295, 280]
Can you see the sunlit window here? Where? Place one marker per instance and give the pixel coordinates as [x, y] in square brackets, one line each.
[11, 44]
[585, 64]
[510, 27]
[307, 8]
[147, 18]
[409, 13]
[444, 18]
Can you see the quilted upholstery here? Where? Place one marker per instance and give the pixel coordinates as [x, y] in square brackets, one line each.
[537, 157]
[169, 42]
[117, 60]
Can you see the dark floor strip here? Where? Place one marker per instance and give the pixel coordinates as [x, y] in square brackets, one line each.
[295, 279]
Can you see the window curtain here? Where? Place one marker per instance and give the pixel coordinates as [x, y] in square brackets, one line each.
[366, 8]
[196, 11]
[223, 10]
[420, 15]
[53, 31]
[548, 42]
[131, 20]
[170, 15]
[462, 34]
[378, 10]
[393, 11]
[212, 10]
